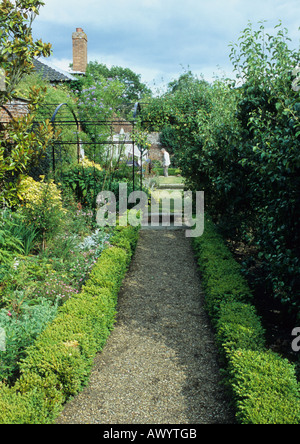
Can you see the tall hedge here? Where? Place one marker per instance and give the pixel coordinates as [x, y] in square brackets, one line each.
[239, 142]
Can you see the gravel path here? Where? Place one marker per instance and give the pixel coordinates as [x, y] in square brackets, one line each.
[159, 365]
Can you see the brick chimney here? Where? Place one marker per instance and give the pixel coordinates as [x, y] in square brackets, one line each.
[79, 50]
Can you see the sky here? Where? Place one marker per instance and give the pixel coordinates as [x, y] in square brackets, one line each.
[160, 39]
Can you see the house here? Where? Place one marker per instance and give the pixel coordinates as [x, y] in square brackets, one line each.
[51, 73]
[56, 75]
[14, 109]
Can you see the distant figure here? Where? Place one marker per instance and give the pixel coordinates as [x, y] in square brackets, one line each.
[149, 167]
[166, 162]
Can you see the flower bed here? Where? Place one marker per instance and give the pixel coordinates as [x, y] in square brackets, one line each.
[58, 364]
[33, 290]
[263, 384]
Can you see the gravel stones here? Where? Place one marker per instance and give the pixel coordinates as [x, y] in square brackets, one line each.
[160, 364]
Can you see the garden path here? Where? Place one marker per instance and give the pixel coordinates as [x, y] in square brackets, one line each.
[160, 363]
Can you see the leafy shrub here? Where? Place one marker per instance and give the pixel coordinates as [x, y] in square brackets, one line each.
[113, 266]
[21, 148]
[125, 237]
[87, 182]
[265, 388]
[264, 385]
[21, 331]
[168, 139]
[239, 327]
[239, 143]
[57, 365]
[10, 245]
[43, 207]
[31, 394]
[220, 272]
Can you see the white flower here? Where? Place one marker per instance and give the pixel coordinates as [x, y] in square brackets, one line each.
[16, 264]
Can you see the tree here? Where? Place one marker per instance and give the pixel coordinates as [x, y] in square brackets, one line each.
[21, 148]
[17, 47]
[244, 153]
[134, 91]
[20, 145]
[242, 147]
[186, 81]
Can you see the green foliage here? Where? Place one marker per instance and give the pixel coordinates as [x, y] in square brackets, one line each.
[240, 145]
[30, 395]
[97, 104]
[88, 182]
[177, 110]
[126, 238]
[239, 327]
[17, 47]
[221, 274]
[21, 148]
[268, 112]
[52, 97]
[114, 261]
[168, 139]
[171, 171]
[43, 208]
[265, 388]
[263, 384]
[10, 245]
[58, 364]
[21, 330]
[99, 100]
[134, 90]
[17, 225]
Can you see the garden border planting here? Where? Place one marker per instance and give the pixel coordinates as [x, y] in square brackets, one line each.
[58, 364]
[263, 384]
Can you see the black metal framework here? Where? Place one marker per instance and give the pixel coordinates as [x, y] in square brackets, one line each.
[8, 113]
[69, 129]
[77, 126]
[59, 121]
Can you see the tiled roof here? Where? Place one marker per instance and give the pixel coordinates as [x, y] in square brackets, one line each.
[52, 74]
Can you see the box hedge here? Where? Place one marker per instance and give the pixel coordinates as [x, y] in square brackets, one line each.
[263, 384]
[239, 327]
[58, 364]
[265, 387]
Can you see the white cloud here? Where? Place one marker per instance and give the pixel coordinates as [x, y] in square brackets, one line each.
[156, 36]
[63, 64]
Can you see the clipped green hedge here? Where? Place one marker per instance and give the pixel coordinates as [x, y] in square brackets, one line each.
[171, 171]
[263, 384]
[58, 364]
[239, 327]
[265, 387]
[221, 275]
